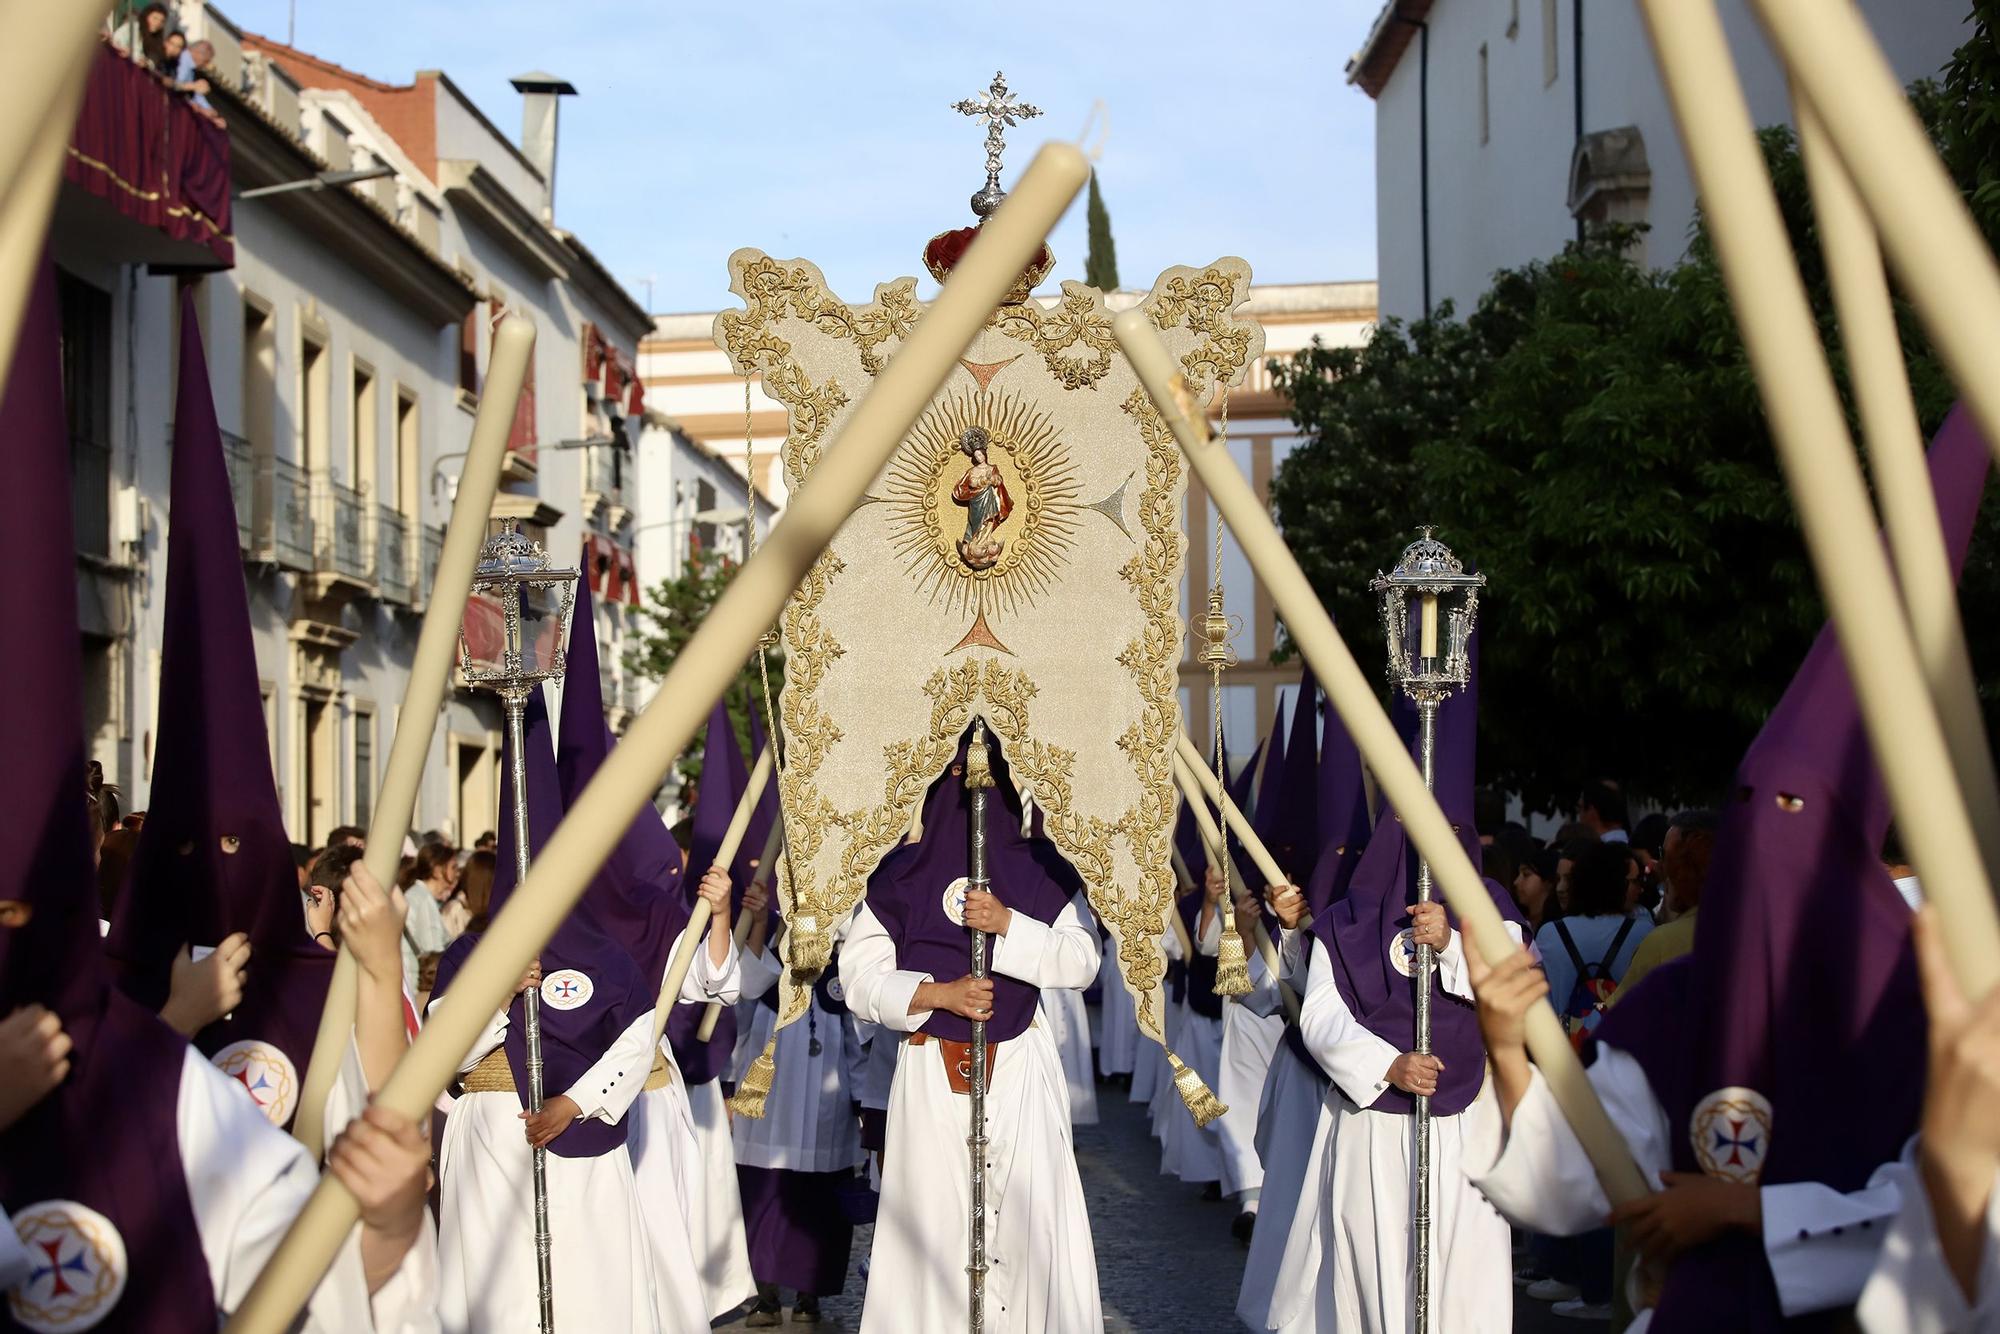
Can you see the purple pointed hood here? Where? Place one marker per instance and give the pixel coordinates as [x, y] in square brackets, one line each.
[1363, 932]
[908, 888]
[591, 989]
[762, 818]
[1271, 787]
[638, 897]
[1802, 972]
[125, 1064]
[1295, 836]
[1343, 816]
[213, 788]
[723, 780]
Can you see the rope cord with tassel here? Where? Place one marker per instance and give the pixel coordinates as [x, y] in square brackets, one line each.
[1232, 965]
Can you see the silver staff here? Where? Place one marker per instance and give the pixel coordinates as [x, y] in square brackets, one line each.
[978, 782]
[1429, 674]
[533, 603]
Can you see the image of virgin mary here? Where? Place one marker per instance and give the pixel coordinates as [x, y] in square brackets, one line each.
[987, 504]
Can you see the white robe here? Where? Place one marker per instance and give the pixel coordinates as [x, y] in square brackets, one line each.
[1067, 1017]
[1911, 1291]
[692, 1279]
[1821, 1243]
[1294, 1129]
[1252, 1026]
[1194, 1153]
[1117, 1019]
[1358, 1239]
[1042, 1273]
[246, 1181]
[808, 1123]
[601, 1258]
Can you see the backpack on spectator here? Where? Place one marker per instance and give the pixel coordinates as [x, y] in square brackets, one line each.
[1584, 1006]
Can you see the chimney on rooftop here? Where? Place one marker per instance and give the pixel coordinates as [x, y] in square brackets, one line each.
[541, 96]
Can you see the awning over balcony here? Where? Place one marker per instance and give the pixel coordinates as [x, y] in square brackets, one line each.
[161, 169]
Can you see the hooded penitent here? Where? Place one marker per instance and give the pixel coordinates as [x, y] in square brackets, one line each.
[1365, 937]
[918, 892]
[1294, 819]
[638, 898]
[1343, 822]
[762, 819]
[723, 780]
[213, 857]
[91, 1175]
[591, 989]
[1802, 987]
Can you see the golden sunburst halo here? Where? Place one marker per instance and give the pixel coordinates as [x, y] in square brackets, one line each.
[1034, 466]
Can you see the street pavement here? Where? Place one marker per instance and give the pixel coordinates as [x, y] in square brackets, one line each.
[1166, 1263]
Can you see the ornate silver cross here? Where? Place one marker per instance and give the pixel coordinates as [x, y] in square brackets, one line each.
[998, 111]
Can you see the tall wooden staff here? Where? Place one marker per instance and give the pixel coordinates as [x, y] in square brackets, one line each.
[705, 668]
[1375, 736]
[423, 692]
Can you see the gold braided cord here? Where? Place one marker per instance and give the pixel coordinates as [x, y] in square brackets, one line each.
[1232, 964]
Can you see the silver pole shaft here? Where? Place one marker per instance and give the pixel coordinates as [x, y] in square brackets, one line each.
[1421, 1122]
[531, 1003]
[975, 1142]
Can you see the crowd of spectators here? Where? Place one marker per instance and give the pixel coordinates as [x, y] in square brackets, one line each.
[148, 36]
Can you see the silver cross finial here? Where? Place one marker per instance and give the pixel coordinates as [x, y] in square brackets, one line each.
[998, 110]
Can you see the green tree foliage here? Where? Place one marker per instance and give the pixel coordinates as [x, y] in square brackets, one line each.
[1590, 437]
[672, 611]
[1100, 266]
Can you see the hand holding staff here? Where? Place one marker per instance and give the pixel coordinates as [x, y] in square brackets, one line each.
[1375, 736]
[732, 839]
[704, 669]
[713, 1014]
[1191, 791]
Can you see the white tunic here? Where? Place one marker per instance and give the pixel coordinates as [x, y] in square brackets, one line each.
[1117, 1019]
[1293, 1123]
[602, 1260]
[808, 1123]
[1068, 1020]
[246, 1181]
[1359, 1237]
[1821, 1243]
[1252, 1026]
[1194, 1153]
[692, 1282]
[1911, 1291]
[1042, 1272]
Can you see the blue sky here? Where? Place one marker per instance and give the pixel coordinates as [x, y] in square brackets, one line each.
[824, 130]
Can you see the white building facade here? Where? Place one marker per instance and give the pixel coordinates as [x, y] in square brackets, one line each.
[345, 348]
[1494, 142]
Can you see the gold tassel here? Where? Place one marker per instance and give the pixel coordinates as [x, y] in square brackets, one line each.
[1232, 967]
[808, 949]
[1202, 1105]
[756, 1085]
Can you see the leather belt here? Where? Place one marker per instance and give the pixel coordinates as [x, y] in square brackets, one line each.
[958, 1060]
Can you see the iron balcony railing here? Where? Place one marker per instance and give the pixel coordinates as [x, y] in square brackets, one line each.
[395, 568]
[283, 516]
[432, 549]
[340, 522]
[242, 463]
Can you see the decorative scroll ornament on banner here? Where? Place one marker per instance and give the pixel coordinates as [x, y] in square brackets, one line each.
[1019, 560]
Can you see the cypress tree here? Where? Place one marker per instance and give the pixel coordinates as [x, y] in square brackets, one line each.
[1100, 266]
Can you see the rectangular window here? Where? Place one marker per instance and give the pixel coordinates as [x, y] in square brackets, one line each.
[468, 352]
[361, 430]
[364, 766]
[260, 376]
[313, 426]
[86, 376]
[1549, 69]
[409, 448]
[1485, 112]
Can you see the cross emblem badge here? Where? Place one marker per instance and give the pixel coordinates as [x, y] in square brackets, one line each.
[76, 1270]
[1731, 1134]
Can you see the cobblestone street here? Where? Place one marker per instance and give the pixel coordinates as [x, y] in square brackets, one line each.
[1166, 1263]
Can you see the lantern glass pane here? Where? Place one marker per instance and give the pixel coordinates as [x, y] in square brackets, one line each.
[544, 608]
[483, 637]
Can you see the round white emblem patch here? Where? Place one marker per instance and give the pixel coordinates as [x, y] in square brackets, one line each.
[1731, 1134]
[954, 900]
[835, 990]
[265, 1073]
[1403, 953]
[76, 1267]
[566, 989]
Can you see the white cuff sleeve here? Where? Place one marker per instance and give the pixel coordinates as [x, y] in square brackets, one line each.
[1535, 1172]
[1822, 1243]
[1911, 1290]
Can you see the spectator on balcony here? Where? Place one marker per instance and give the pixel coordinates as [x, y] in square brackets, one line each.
[143, 38]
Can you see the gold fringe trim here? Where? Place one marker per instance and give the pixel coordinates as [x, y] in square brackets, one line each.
[1232, 967]
[1202, 1105]
[756, 1085]
[809, 951]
